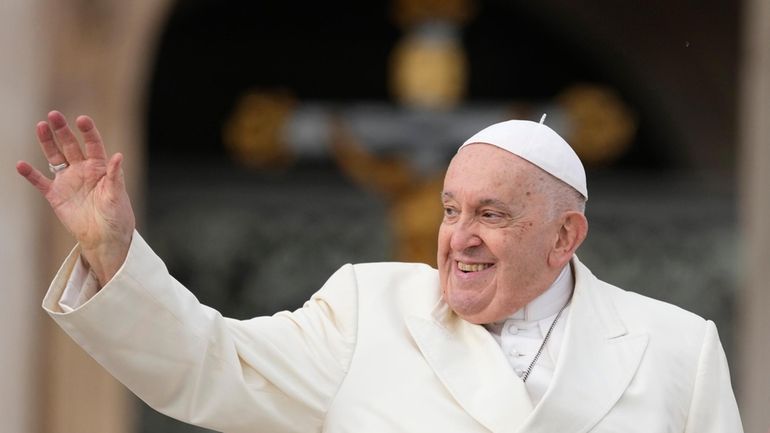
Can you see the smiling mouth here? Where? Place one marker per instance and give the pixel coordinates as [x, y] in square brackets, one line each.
[473, 267]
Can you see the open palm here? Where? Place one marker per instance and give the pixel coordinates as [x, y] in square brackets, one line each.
[89, 195]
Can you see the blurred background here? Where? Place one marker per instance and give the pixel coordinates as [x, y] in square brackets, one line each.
[268, 143]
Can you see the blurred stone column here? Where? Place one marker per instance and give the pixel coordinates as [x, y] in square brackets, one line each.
[753, 372]
[99, 52]
[22, 84]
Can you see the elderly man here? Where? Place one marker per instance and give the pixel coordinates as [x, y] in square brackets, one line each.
[512, 334]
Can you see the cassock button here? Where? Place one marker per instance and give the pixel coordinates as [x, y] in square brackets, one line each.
[513, 329]
[519, 372]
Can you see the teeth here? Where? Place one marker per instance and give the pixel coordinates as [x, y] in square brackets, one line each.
[472, 267]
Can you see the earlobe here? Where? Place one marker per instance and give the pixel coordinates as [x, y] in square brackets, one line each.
[572, 233]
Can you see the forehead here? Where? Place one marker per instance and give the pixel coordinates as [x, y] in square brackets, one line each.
[487, 169]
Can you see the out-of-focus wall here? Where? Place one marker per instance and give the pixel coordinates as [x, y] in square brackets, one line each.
[23, 51]
[99, 53]
[753, 375]
[78, 57]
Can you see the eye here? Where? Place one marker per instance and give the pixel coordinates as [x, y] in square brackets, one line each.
[450, 212]
[491, 216]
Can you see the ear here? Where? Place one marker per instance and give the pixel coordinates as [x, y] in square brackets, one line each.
[572, 233]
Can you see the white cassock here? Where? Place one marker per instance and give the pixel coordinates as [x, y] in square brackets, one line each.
[522, 335]
[377, 350]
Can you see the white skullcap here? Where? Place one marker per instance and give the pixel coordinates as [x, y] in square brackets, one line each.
[539, 145]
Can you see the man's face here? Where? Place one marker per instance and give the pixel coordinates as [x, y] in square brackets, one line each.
[496, 235]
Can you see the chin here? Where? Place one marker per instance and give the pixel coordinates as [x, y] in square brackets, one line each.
[466, 309]
[475, 318]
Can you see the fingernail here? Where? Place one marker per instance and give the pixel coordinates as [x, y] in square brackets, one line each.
[84, 122]
[56, 119]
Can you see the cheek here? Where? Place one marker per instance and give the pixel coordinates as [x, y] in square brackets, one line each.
[515, 253]
[444, 236]
[505, 243]
[523, 254]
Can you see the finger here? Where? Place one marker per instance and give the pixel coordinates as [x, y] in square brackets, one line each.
[115, 170]
[92, 138]
[66, 140]
[34, 177]
[47, 143]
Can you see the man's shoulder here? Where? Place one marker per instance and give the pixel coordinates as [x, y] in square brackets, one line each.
[386, 273]
[375, 290]
[645, 314]
[397, 270]
[630, 301]
[405, 286]
[392, 278]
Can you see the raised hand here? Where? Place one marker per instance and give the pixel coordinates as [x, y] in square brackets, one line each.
[88, 192]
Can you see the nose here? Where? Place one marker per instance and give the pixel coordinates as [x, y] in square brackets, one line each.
[464, 236]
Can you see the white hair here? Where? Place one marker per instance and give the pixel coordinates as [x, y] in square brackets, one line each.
[560, 196]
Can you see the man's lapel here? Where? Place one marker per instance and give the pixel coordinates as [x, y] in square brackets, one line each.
[597, 361]
[471, 366]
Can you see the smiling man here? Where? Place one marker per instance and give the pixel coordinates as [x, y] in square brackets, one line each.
[507, 234]
[512, 334]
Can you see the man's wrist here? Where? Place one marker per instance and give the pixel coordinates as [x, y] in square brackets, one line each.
[105, 260]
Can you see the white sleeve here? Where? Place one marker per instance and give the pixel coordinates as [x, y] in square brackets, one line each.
[81, 286]
[272, 374]
[713, 408]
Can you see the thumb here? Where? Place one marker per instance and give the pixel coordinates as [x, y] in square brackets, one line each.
[115, 172]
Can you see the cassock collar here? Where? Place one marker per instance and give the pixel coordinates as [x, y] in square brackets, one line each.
[546, 305]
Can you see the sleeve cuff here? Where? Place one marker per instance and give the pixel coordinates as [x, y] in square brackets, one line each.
[81, 286]
[75, 284]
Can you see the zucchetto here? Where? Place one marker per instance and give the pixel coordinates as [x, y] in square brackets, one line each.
[538, 144]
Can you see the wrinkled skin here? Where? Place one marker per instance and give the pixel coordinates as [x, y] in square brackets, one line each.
[499, 246]
[89, 197]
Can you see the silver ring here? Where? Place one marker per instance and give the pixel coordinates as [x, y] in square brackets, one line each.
[58, 167]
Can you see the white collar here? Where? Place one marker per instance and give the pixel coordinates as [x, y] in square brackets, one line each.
[544, 306]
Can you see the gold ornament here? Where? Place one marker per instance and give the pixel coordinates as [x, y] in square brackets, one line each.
[428, 72]
[601, 126]
[253, 134]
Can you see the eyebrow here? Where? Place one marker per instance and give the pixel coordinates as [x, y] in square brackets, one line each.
[483, 202]
[493, 202]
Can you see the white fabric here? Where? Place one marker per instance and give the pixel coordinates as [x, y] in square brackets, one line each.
[538, 144]
[377, 350]
[81, 287]
[521, 335]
